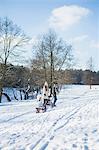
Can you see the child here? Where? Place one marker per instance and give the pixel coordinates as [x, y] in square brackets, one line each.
[40, 107]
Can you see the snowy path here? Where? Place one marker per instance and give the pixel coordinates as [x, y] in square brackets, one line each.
[72, 125]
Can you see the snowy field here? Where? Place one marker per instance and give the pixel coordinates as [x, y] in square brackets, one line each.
[72, 125]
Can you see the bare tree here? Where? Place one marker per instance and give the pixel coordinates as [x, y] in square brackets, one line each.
[12, 38]
[90, 66]
[54, 54]
[40, 61]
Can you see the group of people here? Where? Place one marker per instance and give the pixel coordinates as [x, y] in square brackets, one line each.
[47, 97]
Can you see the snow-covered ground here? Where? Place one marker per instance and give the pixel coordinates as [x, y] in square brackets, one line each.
[72, 125]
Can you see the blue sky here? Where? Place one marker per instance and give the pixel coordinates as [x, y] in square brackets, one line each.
[76, 21]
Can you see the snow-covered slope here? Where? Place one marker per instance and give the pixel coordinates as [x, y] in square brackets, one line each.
[72, 125]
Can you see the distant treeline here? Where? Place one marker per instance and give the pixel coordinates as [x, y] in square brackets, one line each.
[19, 76]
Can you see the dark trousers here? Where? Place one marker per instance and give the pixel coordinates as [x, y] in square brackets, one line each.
[45, 102]
[55, 99]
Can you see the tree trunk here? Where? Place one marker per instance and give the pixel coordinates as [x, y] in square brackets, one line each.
[0, 94]
[90, 79]
[51, 71]
[6, 95]
[20, 95]
[14, 95]
[45, 76]
[90, 86]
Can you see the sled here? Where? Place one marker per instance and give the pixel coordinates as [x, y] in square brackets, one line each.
[40, 110]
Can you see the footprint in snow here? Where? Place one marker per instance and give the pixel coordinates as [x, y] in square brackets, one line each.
[74, 146]
[86, 147]
[86, 134]
[12, 141]
[94, 131]
[85, 140]
[14, 134]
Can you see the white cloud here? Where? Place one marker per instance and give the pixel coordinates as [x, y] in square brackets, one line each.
[66, 16]
[79, 39]
[95, 44]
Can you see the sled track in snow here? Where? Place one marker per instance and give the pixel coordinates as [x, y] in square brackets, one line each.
[15, 117]
[44, 140]
[52, 130]
[38, 144]
[42, 143]
[12, 119]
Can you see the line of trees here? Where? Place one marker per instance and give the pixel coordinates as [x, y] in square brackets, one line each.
[51, 62]
[21, 77]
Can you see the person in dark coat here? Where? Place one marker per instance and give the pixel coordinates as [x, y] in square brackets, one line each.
[54, 94]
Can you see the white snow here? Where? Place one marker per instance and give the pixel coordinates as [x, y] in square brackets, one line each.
[72, 125]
